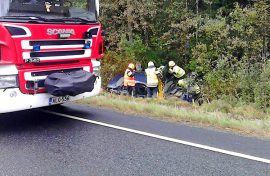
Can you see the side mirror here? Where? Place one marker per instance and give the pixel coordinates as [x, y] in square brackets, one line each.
[103, 33]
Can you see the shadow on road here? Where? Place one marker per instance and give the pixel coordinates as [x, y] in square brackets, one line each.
[75, 110]
[31, 120]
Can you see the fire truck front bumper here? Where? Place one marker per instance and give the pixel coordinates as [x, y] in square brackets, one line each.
[13, 100]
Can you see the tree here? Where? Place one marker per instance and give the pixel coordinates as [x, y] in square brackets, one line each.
[127, 17]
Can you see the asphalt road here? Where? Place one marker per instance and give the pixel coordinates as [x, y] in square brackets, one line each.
[38, 143]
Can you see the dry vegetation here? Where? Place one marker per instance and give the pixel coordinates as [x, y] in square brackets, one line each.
[244, 119]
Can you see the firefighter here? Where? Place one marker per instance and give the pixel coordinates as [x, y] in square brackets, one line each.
[178, 72]
[152, 80]
[191, 89]
[168, 70]
[129, 79]
[171, 74]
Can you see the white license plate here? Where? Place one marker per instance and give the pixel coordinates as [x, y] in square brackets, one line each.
[58, 100]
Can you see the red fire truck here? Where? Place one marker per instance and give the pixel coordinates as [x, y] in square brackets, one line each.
[43, 38]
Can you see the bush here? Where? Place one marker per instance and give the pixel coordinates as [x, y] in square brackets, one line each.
[113, 64]
[262, 88]
[229, 55]
[116, 62]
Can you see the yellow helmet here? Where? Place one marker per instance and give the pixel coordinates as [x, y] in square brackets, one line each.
[131, 66]
[171, 64]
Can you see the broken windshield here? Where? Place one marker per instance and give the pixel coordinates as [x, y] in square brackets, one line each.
[71, 11]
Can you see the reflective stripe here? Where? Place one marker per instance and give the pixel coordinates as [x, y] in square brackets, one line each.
[129, 73]
[152, 79]
[178, 71]
[129, 80]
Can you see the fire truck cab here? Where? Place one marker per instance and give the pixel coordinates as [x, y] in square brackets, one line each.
[43, 38]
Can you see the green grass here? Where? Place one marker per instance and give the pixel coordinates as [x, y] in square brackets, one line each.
[215, 115]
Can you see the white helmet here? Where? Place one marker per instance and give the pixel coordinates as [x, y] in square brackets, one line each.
[151, 64]
[171, 64]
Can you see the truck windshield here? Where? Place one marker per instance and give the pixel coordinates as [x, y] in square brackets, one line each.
[52, 11]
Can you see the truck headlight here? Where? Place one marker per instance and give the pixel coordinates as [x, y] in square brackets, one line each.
[8, 81]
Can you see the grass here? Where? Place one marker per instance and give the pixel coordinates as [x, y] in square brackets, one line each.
[219, 115]
[235, 110]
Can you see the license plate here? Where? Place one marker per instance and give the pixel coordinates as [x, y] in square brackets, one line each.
[58, 100]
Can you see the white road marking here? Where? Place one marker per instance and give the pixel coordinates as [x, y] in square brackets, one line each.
[213, 149]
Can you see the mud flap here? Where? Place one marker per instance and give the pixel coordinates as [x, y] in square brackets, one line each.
[72, 83]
